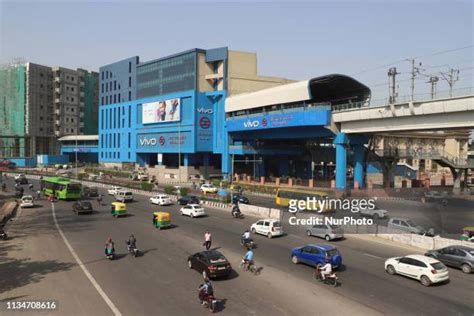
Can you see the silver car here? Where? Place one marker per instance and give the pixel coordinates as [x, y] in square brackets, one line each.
[328, 232]
[455, 256]
[405, 225]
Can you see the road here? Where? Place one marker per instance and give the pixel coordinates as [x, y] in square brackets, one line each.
[159, 281]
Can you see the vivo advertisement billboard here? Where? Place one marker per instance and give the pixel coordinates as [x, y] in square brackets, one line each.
[293, 119]
[165, 142]
[161, 111]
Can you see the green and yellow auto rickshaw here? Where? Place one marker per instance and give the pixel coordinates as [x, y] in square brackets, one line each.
[118, 209]
[467, 233]
[161, 219]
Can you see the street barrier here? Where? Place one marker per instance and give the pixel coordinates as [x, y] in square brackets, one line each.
[261, 212]
[7, 211]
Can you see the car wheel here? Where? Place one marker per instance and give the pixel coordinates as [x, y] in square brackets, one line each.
[269, 235]
[295, 260]
[190, 264]
[391, 270]
[466, 268]
[204, 274]
[376, 216]
[191, 215]
[327, 237]
[425, 280]
[308, 233]
[253, 230]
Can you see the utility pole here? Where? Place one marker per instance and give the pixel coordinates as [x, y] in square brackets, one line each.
[414, 71]
[392, 73]
[434, 81]
[451, 77]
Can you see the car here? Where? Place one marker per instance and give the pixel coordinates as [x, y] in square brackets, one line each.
[113, 190]
[27, 201]
[328, 232]
[161, 199]
[461, 257]
[314, 255]
[375, 213]
[188, 199]
[90, 191]
[123, 196]
[436, 195]
[405, 225]
[21, 179]
[208, 188]
[19, 176]
[192, 210]
[81, 207]
[425, 269]
[240, 199]
[269, 227]
[210, 263]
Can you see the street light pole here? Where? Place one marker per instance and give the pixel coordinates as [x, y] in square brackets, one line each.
[179, 151]
[76, 157]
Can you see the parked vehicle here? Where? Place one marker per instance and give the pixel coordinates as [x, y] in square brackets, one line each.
[376, 213]
[161, 199]
[460, 257]
[192, 210]
[27, 201]
[188, 199]
[328, 232]
[82, 207]
[210, 263]
[425, 269]
[238, 198]
[113, 190]
[269, 227]
[123, 196]
[405, 225]
[208, 188]
[315, 254]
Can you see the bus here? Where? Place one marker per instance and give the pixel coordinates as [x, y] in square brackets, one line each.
[284, 196]
[62, 188]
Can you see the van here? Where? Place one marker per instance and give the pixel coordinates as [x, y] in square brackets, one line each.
[269, 227]
[123, 196]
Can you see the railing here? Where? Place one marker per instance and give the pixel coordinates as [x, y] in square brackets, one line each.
[347, 106]
[303, 107]
[425, 154]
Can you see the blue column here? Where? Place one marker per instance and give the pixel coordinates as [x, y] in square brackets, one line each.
[226, 158]
[185, 160]
[205, 162]
[341, 142]
[359, 165]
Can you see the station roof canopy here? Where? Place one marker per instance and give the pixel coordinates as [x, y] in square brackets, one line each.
[78, 138]
[334, 89]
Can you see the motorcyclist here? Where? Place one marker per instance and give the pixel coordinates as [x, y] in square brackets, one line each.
[235, 209]
[30, 186]
[326, 270]
[109, 247]
[132, 242]
[205, 290]
[246, 237]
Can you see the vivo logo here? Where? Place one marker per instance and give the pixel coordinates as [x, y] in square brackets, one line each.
[147, 141]
[252, 123]
[205, 111]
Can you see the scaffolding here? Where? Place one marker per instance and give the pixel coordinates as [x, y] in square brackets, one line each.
[12, 110]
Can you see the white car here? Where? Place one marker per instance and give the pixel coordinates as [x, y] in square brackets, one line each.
[123, 196]
[269, 227]
[192, 210]
[375, 213]
[425, 269]
[27, 201]
[161, 199]
[208, 188]
[19, 176]
[113, 190]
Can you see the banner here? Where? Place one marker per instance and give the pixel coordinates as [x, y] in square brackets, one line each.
[161, 111]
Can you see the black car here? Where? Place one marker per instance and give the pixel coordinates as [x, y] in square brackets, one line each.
[455, 256]
[21, 180]
[188, 199]
[210, 264]
[90, 191]
[240, 198]
[82, 207]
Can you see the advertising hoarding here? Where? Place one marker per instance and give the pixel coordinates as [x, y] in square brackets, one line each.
[161, 111]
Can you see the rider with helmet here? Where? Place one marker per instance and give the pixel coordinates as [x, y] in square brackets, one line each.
[246, 237]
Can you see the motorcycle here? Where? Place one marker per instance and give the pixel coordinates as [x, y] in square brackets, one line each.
[209, 301]
[249, 244]
[331, 279]
[236, 213]
[3, 234]
[110, 253]
[132, 249]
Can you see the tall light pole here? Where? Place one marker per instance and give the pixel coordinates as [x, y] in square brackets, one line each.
[179, 150]
[76, 157]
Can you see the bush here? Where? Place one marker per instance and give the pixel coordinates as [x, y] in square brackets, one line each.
[147, 186]
[169, 190]
[183, 191]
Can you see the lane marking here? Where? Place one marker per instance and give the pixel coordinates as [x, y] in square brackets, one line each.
[373, 256]
[84, 269]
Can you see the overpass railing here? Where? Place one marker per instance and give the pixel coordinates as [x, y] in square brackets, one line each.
[435, 154]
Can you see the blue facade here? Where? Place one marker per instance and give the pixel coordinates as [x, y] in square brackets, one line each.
[118, 81]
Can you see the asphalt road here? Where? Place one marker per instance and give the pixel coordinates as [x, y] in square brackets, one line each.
[160, 282]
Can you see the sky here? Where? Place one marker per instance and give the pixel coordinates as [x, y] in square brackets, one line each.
[296, 40]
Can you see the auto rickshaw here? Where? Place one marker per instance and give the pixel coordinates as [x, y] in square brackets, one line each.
[118, 209]
[161, 219]
[467, 234]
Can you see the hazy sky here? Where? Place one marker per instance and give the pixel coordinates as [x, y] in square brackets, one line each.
[297, 40]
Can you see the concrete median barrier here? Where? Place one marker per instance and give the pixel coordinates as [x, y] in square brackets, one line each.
[261, 212]
[7, 211]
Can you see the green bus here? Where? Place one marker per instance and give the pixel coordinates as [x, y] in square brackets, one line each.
[61, 188]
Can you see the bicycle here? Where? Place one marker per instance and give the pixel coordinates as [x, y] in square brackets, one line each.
[245, 266]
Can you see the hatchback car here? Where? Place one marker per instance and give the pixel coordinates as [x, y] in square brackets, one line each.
[208, 188]
[188, 199]
[27, 201]
[461, 257]
[328, 232]
[405, 225]
[210, 264]
[314, 255]
[81, 207]
[269, 227]
[161, 199]
[240, 199]
[425, 269]
[192, 210]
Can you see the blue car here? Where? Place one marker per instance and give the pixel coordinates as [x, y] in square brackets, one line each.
[313, 255]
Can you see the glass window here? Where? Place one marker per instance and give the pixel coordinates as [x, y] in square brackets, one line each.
[129, 82]
[115, 85]
[129, 67]
[129, 95]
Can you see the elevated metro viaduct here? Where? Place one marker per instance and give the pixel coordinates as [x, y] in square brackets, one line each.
[288, 130]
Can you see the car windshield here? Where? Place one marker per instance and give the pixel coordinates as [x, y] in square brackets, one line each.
[410, 223]
[27, 199]
[217, 259]
[438, 266]
[128, 193]
[332, 252]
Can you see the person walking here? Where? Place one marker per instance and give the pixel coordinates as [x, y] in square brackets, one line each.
[207, 240]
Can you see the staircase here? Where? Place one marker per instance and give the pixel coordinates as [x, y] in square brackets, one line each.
[441, 157]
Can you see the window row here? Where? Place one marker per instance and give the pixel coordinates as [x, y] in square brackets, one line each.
[116, 118]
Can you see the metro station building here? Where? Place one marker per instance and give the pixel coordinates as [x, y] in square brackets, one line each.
[201, 113]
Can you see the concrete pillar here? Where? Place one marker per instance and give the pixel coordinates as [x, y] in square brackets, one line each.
[262, 180]
[290, 182]
[186, 160]
[311, 183]
[159, 159]
[226, 160]
[341, 142]
[359, 165]
[277, 182]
